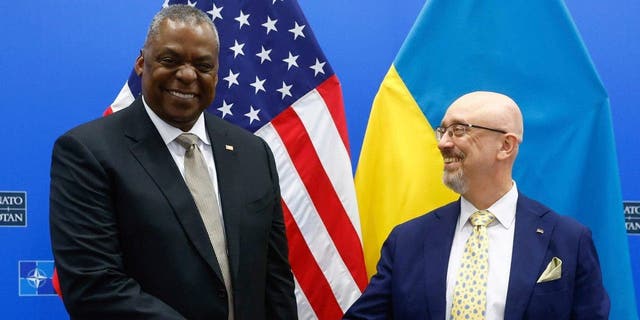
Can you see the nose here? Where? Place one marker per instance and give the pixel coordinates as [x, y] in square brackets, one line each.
[186, 74]
[445, 142]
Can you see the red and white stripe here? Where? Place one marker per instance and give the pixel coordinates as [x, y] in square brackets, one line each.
[123, 100]
[309, 142]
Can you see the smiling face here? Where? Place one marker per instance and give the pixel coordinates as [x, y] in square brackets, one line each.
[179, 71]
[480, 157]
[465, 156]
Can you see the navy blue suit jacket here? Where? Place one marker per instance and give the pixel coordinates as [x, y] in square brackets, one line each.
[129, 242]
[410, 282]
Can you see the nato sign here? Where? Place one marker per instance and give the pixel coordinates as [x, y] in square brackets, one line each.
[35, 278]
[13, 209]
[632, 216]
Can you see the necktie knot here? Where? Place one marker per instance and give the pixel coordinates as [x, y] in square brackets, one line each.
[187, 140]
[481, 218]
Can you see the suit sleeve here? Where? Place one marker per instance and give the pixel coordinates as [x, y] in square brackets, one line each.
[376, 300]
[86, 241]
[591, 300]
[281, 301]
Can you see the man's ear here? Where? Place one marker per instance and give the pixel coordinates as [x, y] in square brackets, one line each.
[509, 146]
[139, 65]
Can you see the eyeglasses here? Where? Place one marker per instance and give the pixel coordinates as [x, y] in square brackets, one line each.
[459, 130]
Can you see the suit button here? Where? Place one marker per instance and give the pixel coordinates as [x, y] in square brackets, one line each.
[222, 293]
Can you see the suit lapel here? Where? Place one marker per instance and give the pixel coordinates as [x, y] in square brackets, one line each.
[529, 248]
[437, 249]
[225, 156]
[151, 152]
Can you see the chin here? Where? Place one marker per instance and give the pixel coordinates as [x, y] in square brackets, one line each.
[184, 114]
[455, 181]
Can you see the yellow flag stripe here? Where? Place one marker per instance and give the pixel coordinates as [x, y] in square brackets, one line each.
[399, 173]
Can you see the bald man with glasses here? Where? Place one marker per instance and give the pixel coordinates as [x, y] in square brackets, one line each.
[493, 253]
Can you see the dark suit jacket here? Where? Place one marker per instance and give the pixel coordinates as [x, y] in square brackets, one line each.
[412, 272]
[129, 242]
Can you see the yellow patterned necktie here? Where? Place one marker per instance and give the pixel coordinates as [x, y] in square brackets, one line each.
[470, 291]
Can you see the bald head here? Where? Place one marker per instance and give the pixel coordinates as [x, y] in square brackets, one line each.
[489, 109]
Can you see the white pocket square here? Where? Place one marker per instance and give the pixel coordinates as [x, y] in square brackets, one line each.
[552, 272]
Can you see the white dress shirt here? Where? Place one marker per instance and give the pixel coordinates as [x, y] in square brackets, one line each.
[169, 134]
[500, 233]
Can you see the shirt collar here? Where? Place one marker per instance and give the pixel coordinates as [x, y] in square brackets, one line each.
[170, 133]
[504, 209]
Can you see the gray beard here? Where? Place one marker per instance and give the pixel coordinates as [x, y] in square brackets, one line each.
[455, 181]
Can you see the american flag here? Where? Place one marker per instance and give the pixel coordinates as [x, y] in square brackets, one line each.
[275, 81]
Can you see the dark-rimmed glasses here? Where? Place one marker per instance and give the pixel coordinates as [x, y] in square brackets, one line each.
[459, 130]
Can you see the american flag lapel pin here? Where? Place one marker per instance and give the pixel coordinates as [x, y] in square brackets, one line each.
[228, 147]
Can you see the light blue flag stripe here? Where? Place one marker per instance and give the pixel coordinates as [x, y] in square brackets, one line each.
[531, 51]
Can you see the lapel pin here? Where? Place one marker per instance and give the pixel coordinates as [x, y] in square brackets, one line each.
[540, 231]
[228, 147]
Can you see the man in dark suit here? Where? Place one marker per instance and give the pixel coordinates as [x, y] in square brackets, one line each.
[128, 238]
[539, 265]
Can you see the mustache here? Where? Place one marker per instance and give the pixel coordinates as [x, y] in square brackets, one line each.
[453, 154]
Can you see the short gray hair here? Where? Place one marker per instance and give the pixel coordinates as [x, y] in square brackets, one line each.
[179, 13]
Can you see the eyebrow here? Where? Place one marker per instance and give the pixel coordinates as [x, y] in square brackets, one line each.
[453, 121]
[171, 51]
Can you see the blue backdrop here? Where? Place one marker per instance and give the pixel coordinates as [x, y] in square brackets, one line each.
[63, 62]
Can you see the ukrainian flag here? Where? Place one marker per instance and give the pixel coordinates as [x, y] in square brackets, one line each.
[532, 52]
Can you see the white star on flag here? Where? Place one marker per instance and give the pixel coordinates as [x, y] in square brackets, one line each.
[237, 49]
[270, 24]
[215, 12]
[285, 90]
[252, 114]
[264, 54]
[297, 31]
[225, 109]
[317, 67]
[232, 78]
[242, 19]
[258, 84]
[291, 60]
